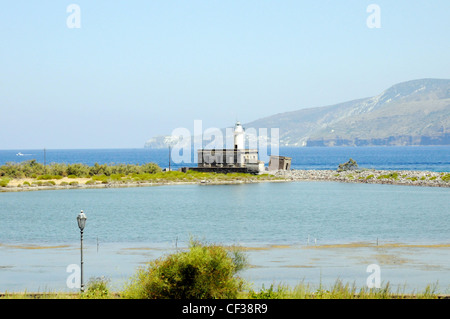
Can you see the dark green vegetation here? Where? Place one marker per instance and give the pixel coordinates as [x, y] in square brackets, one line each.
[349, 166]
[33, 169]
[202, 272]
[4, 181]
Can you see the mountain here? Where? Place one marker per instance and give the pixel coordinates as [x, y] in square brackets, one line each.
[410, 113]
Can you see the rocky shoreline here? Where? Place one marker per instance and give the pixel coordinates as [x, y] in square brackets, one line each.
[368, 176]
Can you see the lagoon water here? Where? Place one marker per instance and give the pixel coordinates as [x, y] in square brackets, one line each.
[282, 224]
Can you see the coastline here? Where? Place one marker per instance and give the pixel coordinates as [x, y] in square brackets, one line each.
[366, 176]
[371, 176]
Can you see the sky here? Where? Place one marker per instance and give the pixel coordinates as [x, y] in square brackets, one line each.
[116, 73]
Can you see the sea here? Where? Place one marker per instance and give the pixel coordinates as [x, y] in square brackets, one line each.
[292, 232]
[427, 158]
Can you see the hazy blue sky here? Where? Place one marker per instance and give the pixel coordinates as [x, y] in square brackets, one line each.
[136, 69]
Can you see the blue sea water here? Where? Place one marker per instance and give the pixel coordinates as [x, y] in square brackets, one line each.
[430, 158]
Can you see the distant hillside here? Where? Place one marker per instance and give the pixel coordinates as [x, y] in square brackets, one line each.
[410, 113]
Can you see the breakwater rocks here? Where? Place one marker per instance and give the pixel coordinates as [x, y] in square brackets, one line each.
[412, 178]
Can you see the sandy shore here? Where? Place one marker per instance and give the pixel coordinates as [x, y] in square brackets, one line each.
[409, 178]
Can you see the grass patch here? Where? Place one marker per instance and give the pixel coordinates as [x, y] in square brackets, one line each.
[393, 175]
[339, 290]
[97, 288]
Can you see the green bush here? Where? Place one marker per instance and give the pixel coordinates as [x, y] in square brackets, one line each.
[4, 182]
[97, 288]
[77, 170]
[202, 272]
[349, 166]
[100, 178]
[34, 169]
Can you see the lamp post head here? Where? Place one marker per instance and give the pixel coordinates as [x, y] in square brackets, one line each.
[81, 219]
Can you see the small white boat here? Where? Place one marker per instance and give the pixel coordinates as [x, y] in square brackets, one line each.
[19, 154]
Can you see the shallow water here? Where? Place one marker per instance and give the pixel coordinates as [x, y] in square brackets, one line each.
[285, 221]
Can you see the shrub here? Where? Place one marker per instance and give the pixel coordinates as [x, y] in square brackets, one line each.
[4, 182]
[100, 178]
[77, 170]
[57, 169]
[97, 288]
[90, 182]
[34, 169]
[350, 165]
[150, 168]
[202, 272]
[74, 183]
[44, 177]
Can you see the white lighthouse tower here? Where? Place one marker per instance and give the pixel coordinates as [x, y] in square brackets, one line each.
[238, 136]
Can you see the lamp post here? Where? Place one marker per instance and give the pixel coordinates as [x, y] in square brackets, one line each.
[81, 219]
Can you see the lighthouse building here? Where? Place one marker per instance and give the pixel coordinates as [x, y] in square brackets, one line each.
[237, 159]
